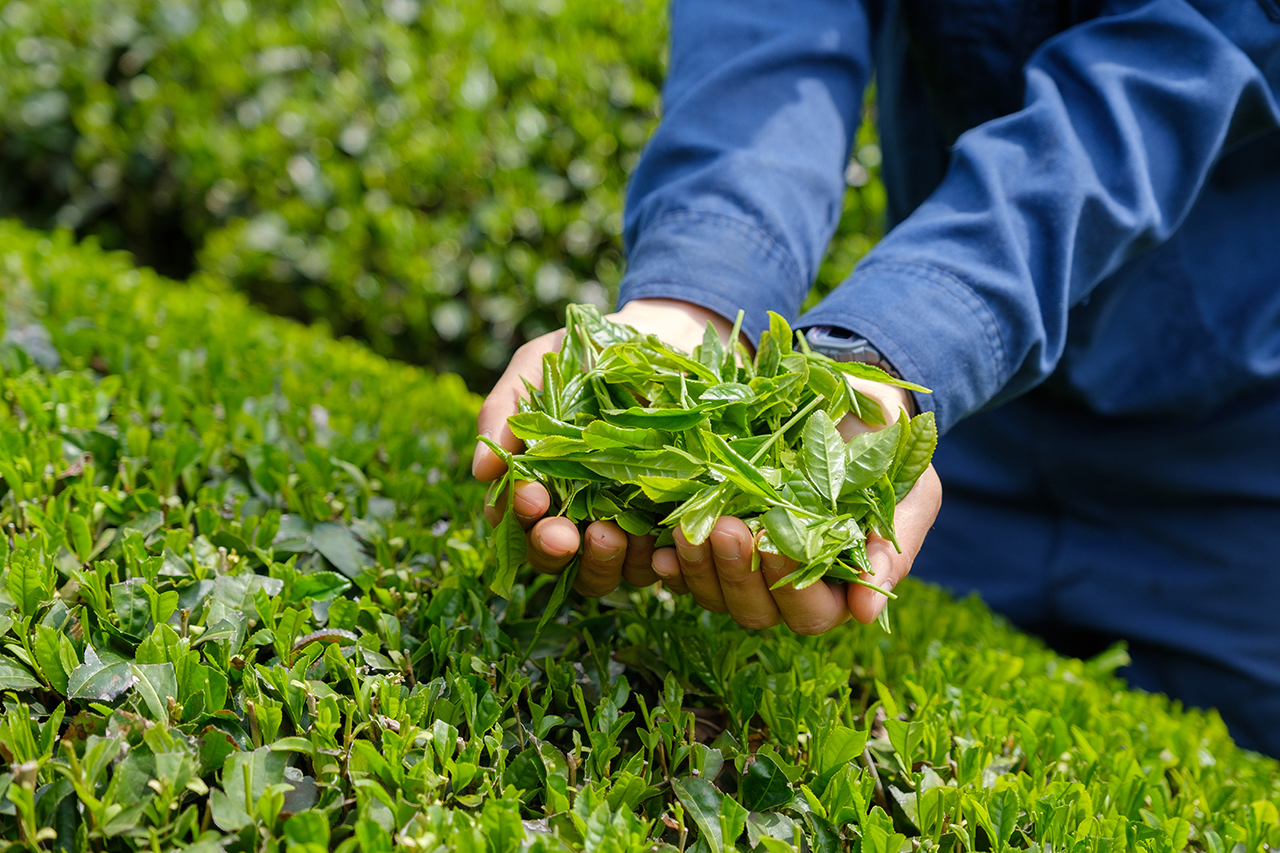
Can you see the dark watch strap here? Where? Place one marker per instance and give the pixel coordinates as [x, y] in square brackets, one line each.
[842, 345]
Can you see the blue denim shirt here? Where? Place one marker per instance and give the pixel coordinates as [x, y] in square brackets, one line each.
[1085, 201]
[1078, 188]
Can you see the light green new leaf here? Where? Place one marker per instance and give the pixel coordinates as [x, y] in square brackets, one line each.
[601, 435]
[824, 455]
[915, 454]
[869, 456]
[47, 648]
[132, 606]
[245, 776]
[27, 583]
[667, 489]
[509, 549]
[81, 538]
[789, 534]
[532, 426]
[628, 466]
[671, 420]
[157, 683]
[699, 515]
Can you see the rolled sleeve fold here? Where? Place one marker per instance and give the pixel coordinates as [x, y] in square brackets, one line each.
[719, 262]
[930, 325]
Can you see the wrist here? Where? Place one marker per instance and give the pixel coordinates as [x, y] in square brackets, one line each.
[643, 313]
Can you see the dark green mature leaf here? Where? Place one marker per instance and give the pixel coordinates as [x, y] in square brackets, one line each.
[764, 785]
[702, 801]
[339, 546]
[319, 586]
[98, 680]
[15, 676]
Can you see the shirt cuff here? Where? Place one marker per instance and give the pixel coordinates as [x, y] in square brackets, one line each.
[930, 325]
[718, 262]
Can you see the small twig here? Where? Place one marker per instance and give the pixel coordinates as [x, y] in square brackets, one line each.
[870, 764]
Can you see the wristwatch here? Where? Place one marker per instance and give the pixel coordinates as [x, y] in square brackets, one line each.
[843, 345]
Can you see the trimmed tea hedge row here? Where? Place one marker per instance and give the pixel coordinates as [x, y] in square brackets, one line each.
[245, 608]
[439, 178]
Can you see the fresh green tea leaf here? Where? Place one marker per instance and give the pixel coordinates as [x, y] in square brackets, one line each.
[824, 456]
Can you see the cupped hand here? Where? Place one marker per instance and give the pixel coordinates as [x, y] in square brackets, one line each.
[609, 554]
[719, 576]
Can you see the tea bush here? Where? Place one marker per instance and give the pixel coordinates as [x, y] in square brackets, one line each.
[439, 178]
[245, 607]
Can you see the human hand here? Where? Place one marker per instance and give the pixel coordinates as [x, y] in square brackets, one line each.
[610, 554]
[719, 575]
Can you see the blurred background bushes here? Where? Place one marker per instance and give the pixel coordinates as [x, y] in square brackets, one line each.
[438, 178]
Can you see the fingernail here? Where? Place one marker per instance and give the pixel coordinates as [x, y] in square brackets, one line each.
[726, 546]
[773, 562]
[604, 553]
[881, 600]
[880, 567]
[481, 448]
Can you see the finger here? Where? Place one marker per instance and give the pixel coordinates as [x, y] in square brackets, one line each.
[745, 592]
[504, 401]
[892, 401]
[912, 520]
[637, 567]
[812, 610]
[602, 557]
[699, 573]
[552, 544]
[666, 565]
[532, 502]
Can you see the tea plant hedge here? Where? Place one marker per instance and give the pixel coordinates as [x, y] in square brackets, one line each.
[244, 607]
[438, 178]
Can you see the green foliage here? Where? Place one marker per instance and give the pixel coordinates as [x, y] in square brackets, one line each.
[720, 433]
[438, 178]
[269, 630]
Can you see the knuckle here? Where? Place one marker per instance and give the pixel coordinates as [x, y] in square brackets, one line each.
[807, 626]
[755, 621]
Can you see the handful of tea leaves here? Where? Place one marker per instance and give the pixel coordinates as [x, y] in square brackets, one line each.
[628, 429]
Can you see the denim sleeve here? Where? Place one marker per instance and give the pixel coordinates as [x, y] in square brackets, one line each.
[740, 189]
[1124, 118]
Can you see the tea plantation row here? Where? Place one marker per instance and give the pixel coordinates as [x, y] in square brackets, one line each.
[244, 607]
[439, 178]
